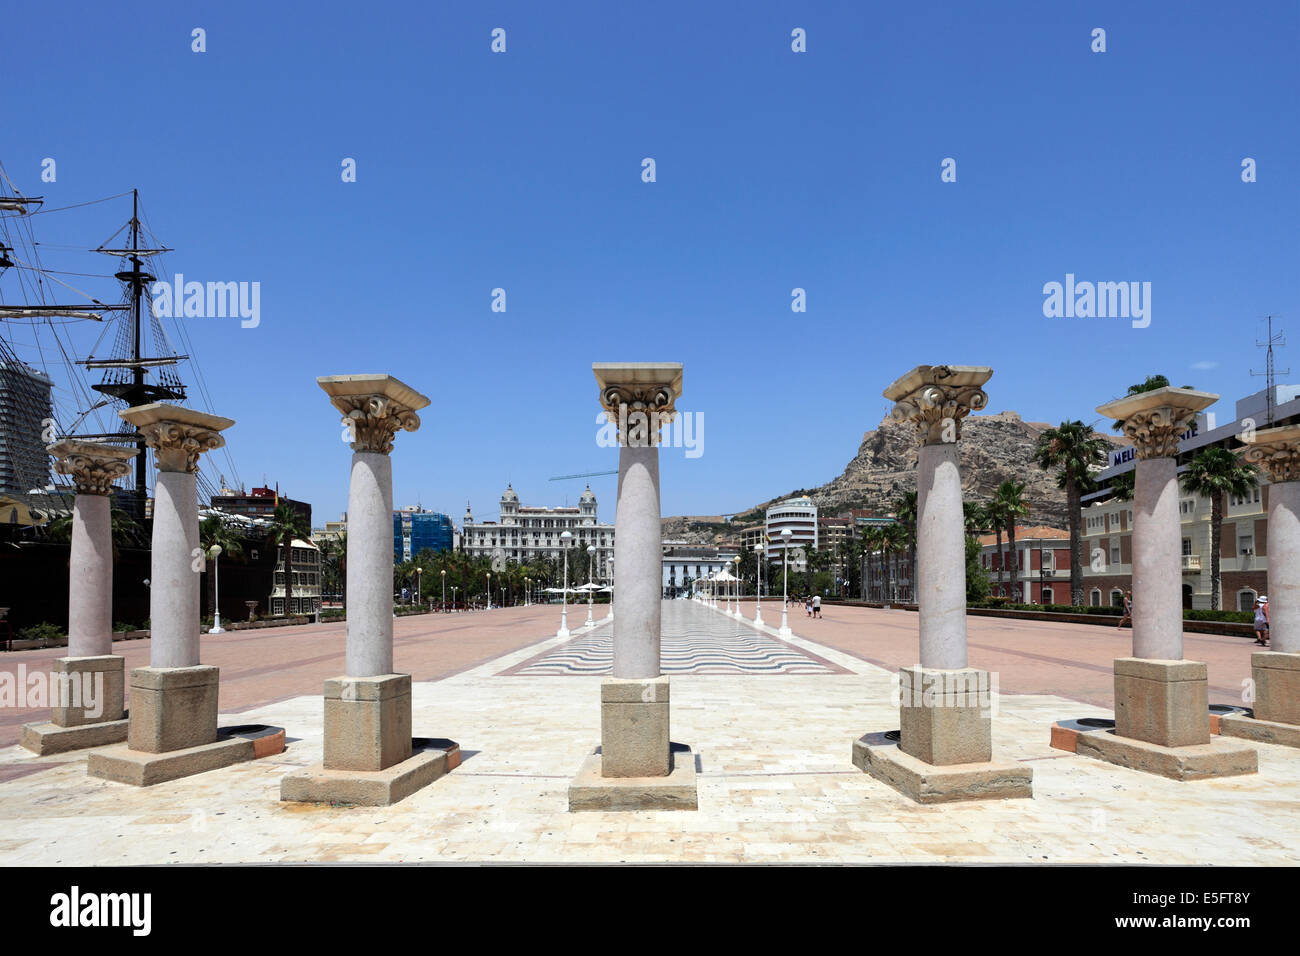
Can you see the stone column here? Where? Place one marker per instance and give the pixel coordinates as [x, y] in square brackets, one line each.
[1276, 671]
[639, 398]
[936, 729]
[945, 744]
[174, 699]
[89, 682]
[1162, 720]
[368, 710]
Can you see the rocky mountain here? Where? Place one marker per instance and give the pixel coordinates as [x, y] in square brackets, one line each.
[993, 448]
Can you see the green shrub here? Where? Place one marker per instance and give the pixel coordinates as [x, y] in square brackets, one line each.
[119, 627]
[1236, 617]
[45, 631]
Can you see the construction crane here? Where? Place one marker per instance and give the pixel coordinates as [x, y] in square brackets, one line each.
[589, 474]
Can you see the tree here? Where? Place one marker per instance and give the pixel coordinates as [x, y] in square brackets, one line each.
[1072, 449]
[1009, 499]
[1215, 473]
[1152, 383]
[977, 579]
[286, 525]
[997, 520]
[975, 516]
[906, 513]
[123, 530]
[214, 530]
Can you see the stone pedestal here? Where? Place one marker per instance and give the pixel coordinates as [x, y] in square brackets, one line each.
[370, 757]
[637, 767]
[88, 683]
[173, 729]
[1276, 672]
[1162, 721]
[945, 747]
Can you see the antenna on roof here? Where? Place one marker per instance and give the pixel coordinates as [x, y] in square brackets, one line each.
[1268, 373]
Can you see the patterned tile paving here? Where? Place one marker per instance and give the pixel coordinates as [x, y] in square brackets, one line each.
[696, 640]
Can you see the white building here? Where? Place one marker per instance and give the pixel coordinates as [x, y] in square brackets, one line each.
[306, 580]
[686, 566]
[525, 532]
[800, 516]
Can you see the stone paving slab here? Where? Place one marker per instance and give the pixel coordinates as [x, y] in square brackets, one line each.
[775, 785]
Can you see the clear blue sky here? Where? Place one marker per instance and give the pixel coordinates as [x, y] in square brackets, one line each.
[775, 170]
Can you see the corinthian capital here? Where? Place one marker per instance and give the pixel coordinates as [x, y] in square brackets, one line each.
[1156, 420]
[639, 397]
[93, 466]
[178, 436]
[374, 408]
[935, 398]
[1276, 451]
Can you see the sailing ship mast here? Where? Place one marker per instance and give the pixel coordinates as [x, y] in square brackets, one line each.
[135, 390]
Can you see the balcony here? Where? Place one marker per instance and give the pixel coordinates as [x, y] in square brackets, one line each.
[1192, 563]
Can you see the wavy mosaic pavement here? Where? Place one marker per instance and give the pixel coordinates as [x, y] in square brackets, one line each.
[696, 640]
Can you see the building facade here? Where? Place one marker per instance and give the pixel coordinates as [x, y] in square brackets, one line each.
[687, 566]
[525, 532]
[799, 515]
[306, 580]
[25, 415]
[1107, 518]
[414, 530]
[258, 503]
[1038, 572]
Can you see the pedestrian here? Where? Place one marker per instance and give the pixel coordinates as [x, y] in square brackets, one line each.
[807, 606]
[1261, 620]
[817, 605]
[1128, 610]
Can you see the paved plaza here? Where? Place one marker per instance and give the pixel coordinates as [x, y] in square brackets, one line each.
[773, 746]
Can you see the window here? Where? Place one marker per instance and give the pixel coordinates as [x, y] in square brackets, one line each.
[1246, 544]
[1047, 596]
[1094, 598]
[1246, 600]
[1187, 546]
[1116, 598]
[1114, 554]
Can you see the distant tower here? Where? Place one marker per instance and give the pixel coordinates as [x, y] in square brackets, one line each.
[24, 410]
[509, 507]
[587, 507]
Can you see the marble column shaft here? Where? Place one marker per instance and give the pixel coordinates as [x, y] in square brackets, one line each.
[90, 578]
[637, 554]
[1284, 567]
[941, 558]
[1157, 561]
[370, 566]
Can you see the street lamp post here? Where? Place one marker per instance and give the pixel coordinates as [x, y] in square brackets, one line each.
[443, 574]
[591, 586]
[565, 538]
[758, 591]
[419, 589]
[454, 589]
[737, 615]
[786, 534]
[488, 598]
[215, 551]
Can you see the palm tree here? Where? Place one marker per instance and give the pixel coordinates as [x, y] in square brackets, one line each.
[1073, 449]
[1152, 383]
[1215, 473]
[213, 530]
[123, 530]
[906, 512]
[1009, 500]
[998, 521]
[893, 538]
[975, 516]
[286, 525]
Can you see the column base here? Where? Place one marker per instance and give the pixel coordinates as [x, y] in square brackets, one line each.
[1215, 758]
[591, 789]
[1260, 731]
[1162, 702]
[173, 708]
[142, 769]
[946, 715]
[48, 738]
[926, 783]
[429, 760]
[634, 727]
[77, 679]
[1277, 686]
[367, 722]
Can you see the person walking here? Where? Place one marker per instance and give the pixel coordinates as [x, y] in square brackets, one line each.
[1128, 610]
[817, 605]
[1261, 620]
[808, 606]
